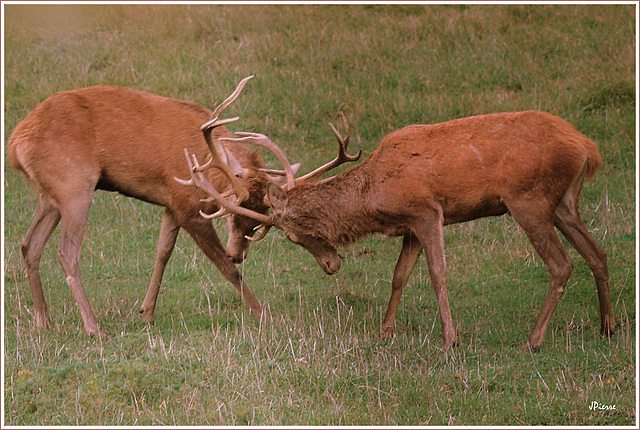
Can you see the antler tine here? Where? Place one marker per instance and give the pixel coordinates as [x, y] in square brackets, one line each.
[342, 157]
[189, 182]
[219, 159]
[262, 235]
[226, 206]
[343, 141]
[213, 121]
[198, 180]
[265, 142]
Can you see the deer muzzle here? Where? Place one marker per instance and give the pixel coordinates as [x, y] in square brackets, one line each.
[329, 263]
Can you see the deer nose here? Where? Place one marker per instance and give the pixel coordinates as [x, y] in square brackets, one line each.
[237, 259]
[237, 256]
[331, 266]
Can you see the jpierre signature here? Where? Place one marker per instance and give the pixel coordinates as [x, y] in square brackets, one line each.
[595, 406]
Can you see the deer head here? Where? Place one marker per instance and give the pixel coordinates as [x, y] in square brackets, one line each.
[296, 223]
[277, 195]
[246, 187]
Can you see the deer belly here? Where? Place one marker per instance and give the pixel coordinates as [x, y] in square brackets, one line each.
[147, 191]
[462, 210]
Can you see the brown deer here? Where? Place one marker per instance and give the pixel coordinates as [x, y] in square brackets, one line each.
[119, 139]
[423, 177]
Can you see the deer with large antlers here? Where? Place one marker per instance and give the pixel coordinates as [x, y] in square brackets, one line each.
[119, 139]
[423, 177]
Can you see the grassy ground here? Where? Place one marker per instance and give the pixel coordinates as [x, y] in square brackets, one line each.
[322, 362]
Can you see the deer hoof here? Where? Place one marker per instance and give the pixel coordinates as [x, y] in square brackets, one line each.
[387, 332]
[607, 332]
[43, 321]
[147, 316]
[99, 334]
[608, 328]
[450, 344]
[527, 347]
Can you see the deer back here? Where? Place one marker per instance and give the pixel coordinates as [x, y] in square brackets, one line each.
[469, 165]
[120, 139]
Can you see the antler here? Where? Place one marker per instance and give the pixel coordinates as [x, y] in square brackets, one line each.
[265, 142]
[226, 206]
[219, 157]
[265, 229]
[313, 177]
[213, 121]
[342, 157]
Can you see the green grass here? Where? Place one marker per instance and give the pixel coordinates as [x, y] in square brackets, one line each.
[322, 362]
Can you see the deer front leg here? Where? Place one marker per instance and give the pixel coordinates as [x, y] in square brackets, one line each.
[206, 238]
[432, 240]
[411, 249]
[166, 242]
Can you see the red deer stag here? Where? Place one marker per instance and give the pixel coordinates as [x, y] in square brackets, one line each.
[119, 139]
[423, 177]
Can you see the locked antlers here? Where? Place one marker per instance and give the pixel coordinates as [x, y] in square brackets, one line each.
[231, 200]
[226, 206]
[309, 178]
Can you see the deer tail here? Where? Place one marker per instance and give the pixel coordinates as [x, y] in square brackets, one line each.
[12, 153]
[594, 160]
[21, 139]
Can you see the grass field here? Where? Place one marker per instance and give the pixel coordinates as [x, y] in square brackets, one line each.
[207, 361]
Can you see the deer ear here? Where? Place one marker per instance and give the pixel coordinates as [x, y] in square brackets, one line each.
[279, 178]
[277, 198]
[234, 165]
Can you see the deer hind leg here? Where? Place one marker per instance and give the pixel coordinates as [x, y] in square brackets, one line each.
[44, 222]
[166, 242]
[206, 238]
[569, 222]
[539, 228]
[411, 250]
[431, 237]
[75, 213]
